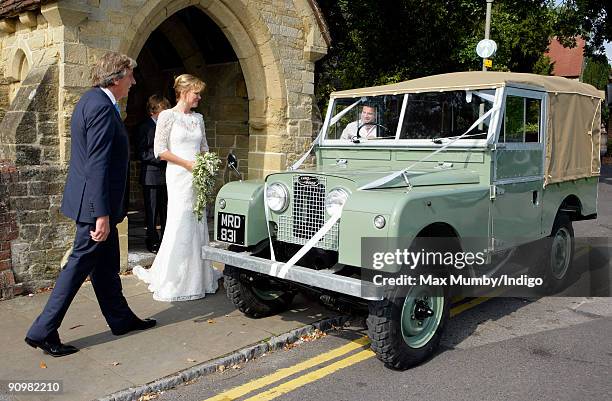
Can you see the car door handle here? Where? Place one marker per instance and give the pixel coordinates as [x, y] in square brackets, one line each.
[535, 198]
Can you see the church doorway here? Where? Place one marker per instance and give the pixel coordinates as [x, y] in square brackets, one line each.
[188, 41]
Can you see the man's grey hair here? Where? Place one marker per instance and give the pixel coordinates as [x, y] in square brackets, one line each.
[111, 67]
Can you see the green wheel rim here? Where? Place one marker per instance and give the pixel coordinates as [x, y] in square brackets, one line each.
[561, 253]
[418, 329]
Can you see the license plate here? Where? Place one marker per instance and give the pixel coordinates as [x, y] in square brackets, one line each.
[230, 228]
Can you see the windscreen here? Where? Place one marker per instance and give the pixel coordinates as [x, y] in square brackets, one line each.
[435, 115]
[429, 115]
[367, 118]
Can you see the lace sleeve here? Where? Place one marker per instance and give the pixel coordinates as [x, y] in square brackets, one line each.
[203, 143]
[162, 132]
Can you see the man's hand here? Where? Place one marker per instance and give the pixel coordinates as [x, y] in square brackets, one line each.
[102, 229]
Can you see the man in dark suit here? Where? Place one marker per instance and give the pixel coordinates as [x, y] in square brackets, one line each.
[94, 199]
[152, 173]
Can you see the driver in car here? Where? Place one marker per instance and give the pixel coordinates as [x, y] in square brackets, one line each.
[366, 125]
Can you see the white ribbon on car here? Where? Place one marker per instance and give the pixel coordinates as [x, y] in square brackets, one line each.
[374, 184]
[295, 166]
[392, 176]
[334, 120]
[274, 267]
[485, 96]
[310, 244]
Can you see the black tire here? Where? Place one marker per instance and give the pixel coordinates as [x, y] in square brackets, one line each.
[386, 334]
[242, 288]
[559, 254]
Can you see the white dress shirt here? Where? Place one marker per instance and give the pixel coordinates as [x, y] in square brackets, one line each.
[366, 132]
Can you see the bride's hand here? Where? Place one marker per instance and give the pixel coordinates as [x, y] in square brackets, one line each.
[189, 165]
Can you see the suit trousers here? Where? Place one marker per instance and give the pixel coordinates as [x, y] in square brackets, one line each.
[155, 203]
[99, 260]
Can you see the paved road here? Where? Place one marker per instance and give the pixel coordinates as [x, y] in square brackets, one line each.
[500, 349]
[504, 349]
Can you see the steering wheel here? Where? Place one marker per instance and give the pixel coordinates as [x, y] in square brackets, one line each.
[357, 136]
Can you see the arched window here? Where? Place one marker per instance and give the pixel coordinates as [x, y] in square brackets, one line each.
[19, 68]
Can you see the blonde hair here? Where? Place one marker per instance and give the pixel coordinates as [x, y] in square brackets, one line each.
[157, 103]
[111, 67]
[185, 82]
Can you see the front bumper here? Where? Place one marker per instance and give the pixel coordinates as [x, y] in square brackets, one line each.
[326, 279]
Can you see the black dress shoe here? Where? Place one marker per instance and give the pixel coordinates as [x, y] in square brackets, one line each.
[52, 348]
[152, 245]
[136, 325]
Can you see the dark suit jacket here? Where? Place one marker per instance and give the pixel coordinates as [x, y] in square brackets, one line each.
[99, 158]
[152, 170]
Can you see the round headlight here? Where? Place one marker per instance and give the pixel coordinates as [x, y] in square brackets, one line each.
[222, 204]
[277, 197]
[379, 221]
[335, 200]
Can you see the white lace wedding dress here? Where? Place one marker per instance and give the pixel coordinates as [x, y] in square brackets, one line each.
[179, 273]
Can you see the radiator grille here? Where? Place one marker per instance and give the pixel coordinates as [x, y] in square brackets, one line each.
[307, 214]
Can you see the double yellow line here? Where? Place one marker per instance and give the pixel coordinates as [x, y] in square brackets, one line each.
[286, 372]
[315, 375]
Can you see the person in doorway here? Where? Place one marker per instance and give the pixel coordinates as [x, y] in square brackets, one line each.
[179, 273]
[152, 173]
[94, 198]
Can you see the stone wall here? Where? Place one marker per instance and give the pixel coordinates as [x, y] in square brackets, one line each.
[45, 236]
[29, 138]
[226, 110]
[260, 109]
[8, 229]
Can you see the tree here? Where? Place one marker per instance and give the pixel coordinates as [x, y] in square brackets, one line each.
[589, 19]
[596, 72]
[522, 31]
[377, 42]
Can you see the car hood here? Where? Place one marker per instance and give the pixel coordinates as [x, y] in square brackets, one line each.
[416, 178]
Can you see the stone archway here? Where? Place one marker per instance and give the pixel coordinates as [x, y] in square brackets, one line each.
[188, 41]
[258, 56]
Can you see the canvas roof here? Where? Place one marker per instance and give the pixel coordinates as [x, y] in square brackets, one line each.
[476, 80]
[574, 110]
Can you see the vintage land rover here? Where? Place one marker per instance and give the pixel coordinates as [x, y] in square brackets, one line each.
[504, 159]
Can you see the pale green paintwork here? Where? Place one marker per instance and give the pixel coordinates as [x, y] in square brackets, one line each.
[409, 212]
[245, 198]
[458, 197]
[453, 187]
[515, 218]
[585, 190]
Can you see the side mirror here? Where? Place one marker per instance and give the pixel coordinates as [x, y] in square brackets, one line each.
[232, 163]
[232, 160]
[609, 95]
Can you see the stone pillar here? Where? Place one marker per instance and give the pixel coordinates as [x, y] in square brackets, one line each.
[8, 230]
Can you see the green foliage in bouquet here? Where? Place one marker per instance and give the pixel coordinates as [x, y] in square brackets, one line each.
[205, 170]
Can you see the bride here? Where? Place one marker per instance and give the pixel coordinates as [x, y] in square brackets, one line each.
[179, 273]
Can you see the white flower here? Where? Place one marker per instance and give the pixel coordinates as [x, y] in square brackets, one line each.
[205, 170]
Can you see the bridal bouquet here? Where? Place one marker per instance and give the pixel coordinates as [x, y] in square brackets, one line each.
[205, 170]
